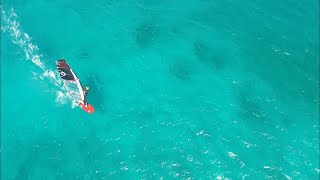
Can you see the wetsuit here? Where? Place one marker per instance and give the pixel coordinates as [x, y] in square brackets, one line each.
[85, 97]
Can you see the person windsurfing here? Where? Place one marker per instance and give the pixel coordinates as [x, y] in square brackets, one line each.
[73, 86]
[86, 91]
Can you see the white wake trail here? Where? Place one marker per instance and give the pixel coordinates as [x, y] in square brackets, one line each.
[11, 25]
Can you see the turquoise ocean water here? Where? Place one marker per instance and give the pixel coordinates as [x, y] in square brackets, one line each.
[193, 89]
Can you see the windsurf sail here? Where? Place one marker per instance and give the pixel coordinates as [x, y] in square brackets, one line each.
[71, 82]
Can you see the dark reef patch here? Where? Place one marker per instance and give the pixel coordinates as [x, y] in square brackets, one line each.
[201, 50]
[182, 69]
[83, 55]
[249, 107]
[145, 34]
[210, 57]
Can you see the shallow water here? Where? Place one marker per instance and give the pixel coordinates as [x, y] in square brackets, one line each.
[193, 90]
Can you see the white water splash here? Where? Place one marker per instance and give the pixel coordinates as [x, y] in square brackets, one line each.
[20, 38]
[232, 155]
[11, 25]
[61, 98]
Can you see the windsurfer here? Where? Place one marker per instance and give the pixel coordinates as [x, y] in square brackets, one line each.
[86, 91]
